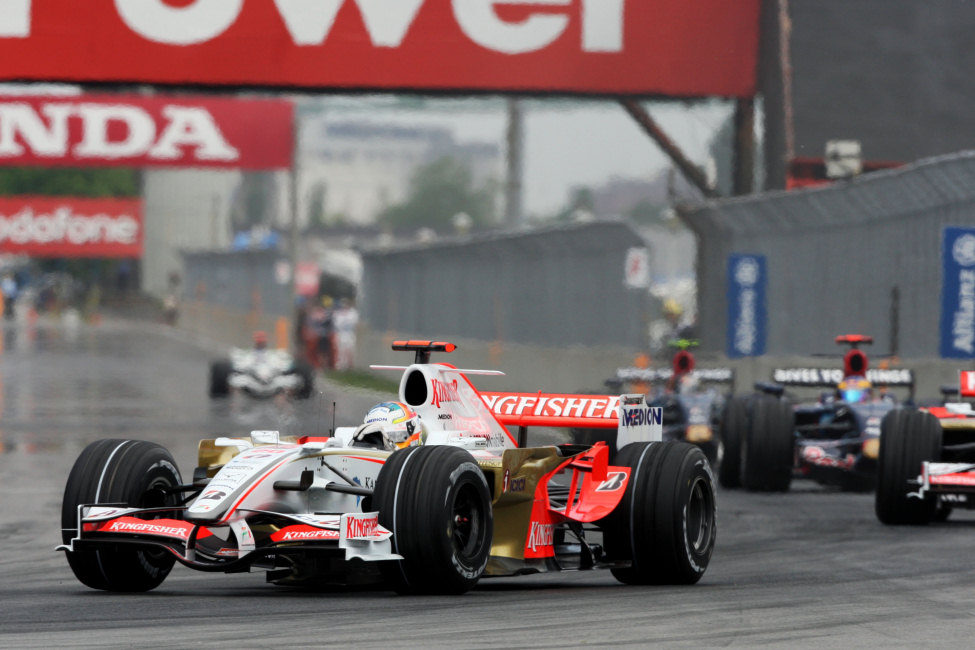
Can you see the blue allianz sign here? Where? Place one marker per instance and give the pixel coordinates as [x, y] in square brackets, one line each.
[746, 305]
[958, 293]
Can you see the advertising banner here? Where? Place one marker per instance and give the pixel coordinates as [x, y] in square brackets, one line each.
[746, 305]
[135, 131]
[958, 293]
[70, 226]
[603, 47]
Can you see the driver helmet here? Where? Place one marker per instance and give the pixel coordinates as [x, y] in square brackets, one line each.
[855, 389]
[260, 340]
[399, 422]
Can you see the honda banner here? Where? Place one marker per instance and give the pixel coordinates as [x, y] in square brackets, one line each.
[70, 227]
[604, 47]
[958, 293]
[746, 305]
[88, 130]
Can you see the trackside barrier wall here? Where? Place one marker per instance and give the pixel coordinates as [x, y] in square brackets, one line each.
[861, 256]
[552, 287]
[226, 296]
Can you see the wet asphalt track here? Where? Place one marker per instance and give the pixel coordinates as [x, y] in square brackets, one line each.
[808, 568]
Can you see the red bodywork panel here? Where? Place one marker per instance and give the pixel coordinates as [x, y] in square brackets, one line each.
[554, 409]
[595, 490]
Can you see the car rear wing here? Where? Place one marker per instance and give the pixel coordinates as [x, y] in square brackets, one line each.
[650, 375]
[630, 415]
[830, 377]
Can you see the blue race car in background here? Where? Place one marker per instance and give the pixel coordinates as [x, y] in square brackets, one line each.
[770, 437]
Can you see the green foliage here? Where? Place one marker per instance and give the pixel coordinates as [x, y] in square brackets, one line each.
[439, 191]
[581, 199]
[68, 181]
[647, 212]
[364, 379]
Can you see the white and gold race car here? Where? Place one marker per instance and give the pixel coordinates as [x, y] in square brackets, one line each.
[427, 508]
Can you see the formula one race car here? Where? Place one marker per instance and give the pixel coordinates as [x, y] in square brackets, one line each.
[768, 439]
[431, 493]
[691, 402]
[927, 461]
[261, 373]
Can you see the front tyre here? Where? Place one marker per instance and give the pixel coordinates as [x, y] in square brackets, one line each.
[437, 504]
[133, 472]
[907, 439]
[220, 378]
[665, 523]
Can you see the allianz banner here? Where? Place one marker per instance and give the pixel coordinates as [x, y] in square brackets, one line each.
[746, 305]
[958, 293]
[70, 227]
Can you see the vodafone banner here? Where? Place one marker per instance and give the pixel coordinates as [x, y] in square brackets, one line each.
[71, 227]
[684, 48]
[100, 130]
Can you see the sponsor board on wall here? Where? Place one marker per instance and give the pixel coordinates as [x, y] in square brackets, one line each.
[135, 131]
[958, 293]
[607, 47]
[71, 227]
[746, 305]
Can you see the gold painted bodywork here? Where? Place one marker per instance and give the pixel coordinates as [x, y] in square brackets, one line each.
[513, 508]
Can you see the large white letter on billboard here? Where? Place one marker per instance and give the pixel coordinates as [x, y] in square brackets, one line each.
[310, 21]
[194, 23]
[602, 25]
[140, 131]
[482, 25]
[14, 18]
[43, 140]
[192, 127]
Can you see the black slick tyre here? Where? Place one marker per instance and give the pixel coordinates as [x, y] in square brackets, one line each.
[220, 378]
[304, 370]
[907, 438]
[768, 446]
[734, 424]
[132, 472]
[665, 523]
[437, 504]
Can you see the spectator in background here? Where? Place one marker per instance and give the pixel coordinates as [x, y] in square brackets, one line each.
[322, 321]
[346, 320]
[8, 286]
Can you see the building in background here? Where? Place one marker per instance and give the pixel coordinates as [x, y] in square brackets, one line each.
[351, 170]
[893, 75]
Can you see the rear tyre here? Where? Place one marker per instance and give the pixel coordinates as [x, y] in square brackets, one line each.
[665, 523]
[734, 424]
[220, 378]
[437, 504]
[907, 438]
[133, 472]
[768, 446]
[303, 370]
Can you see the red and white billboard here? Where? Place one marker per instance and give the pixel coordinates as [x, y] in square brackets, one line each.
[70, 226]
[683, 48]
[134, 131]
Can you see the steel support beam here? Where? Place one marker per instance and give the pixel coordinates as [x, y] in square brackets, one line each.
[692, 172]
